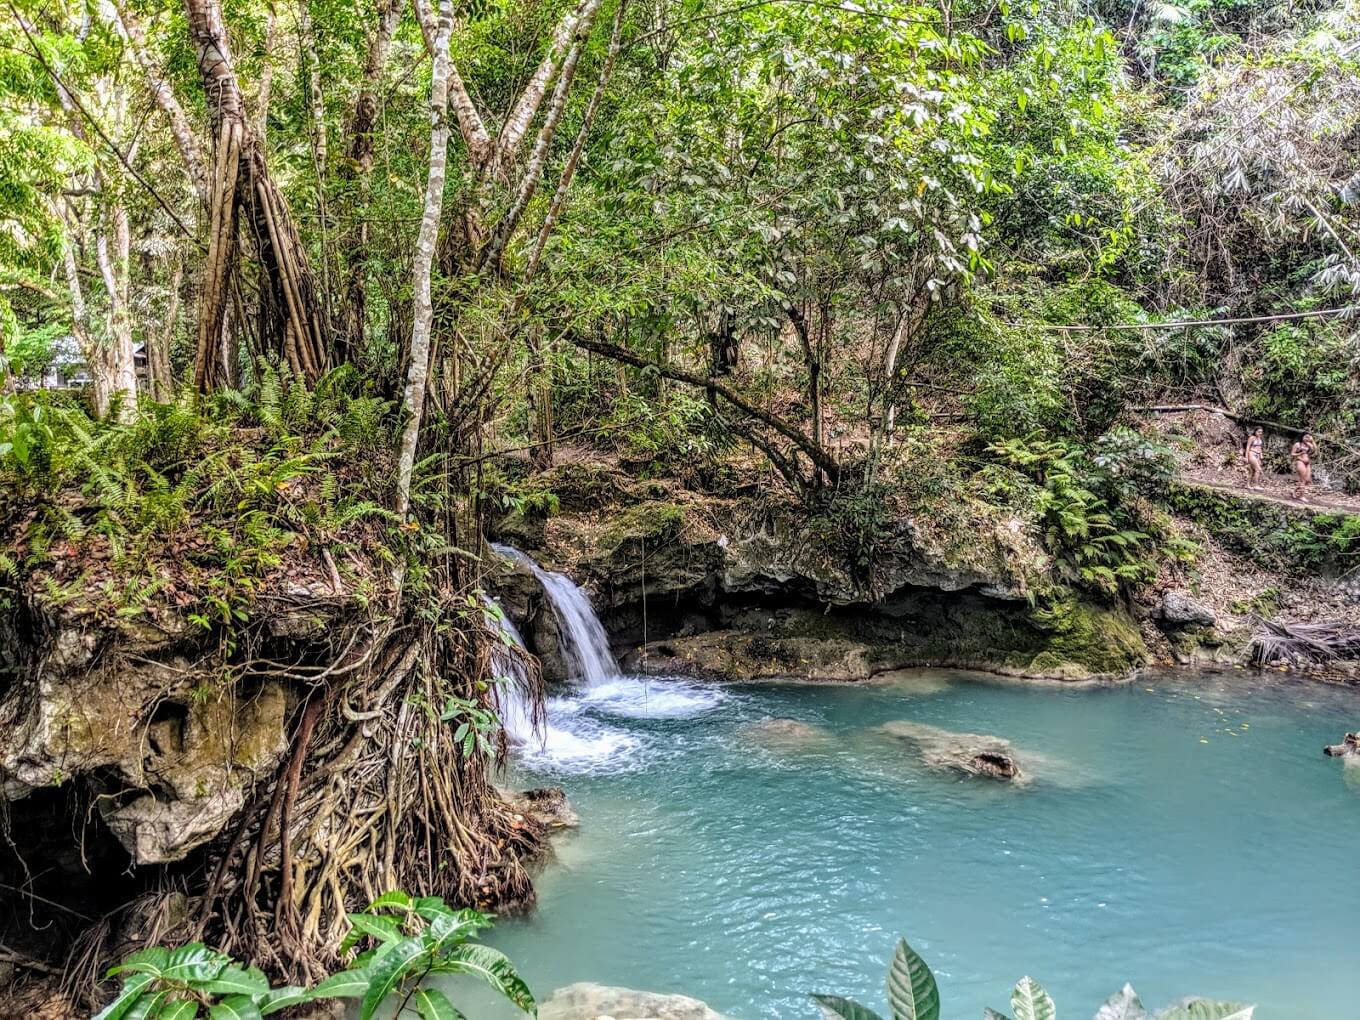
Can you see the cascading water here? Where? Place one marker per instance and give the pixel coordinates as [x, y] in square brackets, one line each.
[515, 711]
[585, 645]
[575, 737]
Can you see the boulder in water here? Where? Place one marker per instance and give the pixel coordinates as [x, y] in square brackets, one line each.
[1348, 748]
[546, 805]
[588, 1001]
[971, 753]
[784, 732]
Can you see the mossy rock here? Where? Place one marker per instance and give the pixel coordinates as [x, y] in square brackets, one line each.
[1086, 640]
[651, 521]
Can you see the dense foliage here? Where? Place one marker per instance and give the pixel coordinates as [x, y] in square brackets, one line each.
[413, 939]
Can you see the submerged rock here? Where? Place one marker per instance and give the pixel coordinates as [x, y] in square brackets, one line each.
[588, 1001]
[546, 805]
[1348, 748]
[784, 733]
[974, 754]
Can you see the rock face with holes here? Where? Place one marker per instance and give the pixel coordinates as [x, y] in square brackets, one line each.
[972, 754]
[117, 707]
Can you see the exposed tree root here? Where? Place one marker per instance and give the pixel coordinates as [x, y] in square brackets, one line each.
[376, 794]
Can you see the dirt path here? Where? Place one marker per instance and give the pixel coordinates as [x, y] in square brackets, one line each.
[1278, 489]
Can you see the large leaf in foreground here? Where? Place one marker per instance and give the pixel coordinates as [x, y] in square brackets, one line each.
[493, 967]
[236, 1007]
[348, 984]
[1122, 1005]
[388, 972]
[432, 1004]
[133, 987]
[834, 1007]
[912, 993]
[1029, 1001]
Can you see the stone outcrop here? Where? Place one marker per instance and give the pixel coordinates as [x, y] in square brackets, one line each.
[1179, 609]
[695, 585]
[1348, 748]
[588, 1001]
[969, 753]
[548, 806]
[168, 757]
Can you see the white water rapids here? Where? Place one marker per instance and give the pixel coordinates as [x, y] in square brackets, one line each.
[577, 735]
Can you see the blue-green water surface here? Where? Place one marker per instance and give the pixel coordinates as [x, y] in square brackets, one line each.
[1182, 833]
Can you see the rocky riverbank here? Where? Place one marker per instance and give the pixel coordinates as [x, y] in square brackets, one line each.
[740, 587]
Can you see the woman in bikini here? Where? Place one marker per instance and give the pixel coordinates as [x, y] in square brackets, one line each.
[1255, 449]
[1301, 459]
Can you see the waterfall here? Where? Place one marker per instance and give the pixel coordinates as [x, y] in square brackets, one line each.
[516, 714]
[587, 729]
[585, 646]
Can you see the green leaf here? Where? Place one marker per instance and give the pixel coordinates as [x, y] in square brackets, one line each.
[151, 960]
[384, 929]
[912, 993]
[395, 898]
[281, 998]
[146, 1007]
[1207, 1009]
[235, 1007]
[237, 981]
[389, 970]
[834, 1007]
[133, 988]
[1029, 1001]
[1122, 1005]
[493, 967]
[991, 1014]
[195, 964]
[184, 1009]
[432, 1004]
[348, 984]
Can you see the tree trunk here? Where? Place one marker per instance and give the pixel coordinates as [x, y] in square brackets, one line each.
[538, 157]
[158, 82]
[158, 369]
[241, 183]
[80, 326]
[540, 390]
[358, 168]
[120, 363]
[418, 369]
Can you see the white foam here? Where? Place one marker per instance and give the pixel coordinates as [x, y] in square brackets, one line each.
[643, 698]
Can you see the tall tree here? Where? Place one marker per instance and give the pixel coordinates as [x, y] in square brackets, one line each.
[240, 183]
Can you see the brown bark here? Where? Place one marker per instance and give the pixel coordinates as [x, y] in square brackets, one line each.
[241, 184]
[357, 169]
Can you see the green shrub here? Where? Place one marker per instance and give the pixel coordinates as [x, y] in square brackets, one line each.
[409, 939]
